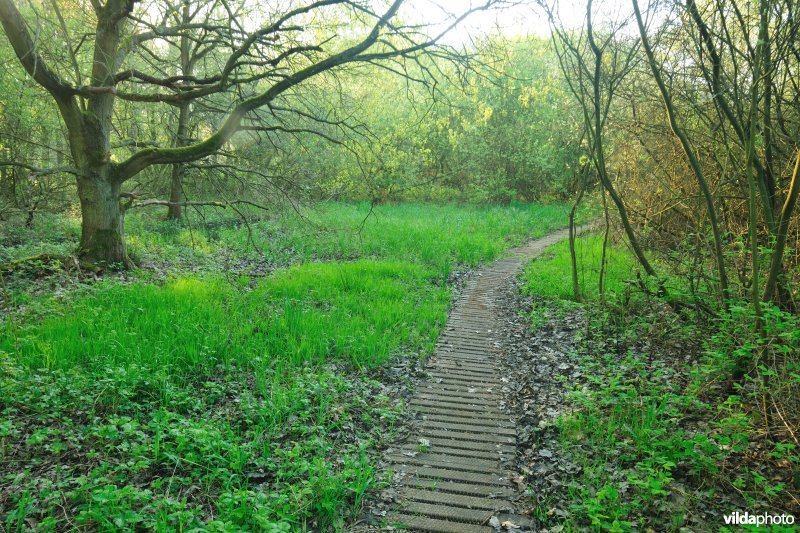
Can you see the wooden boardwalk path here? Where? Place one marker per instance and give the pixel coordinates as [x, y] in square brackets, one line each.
[451, 472]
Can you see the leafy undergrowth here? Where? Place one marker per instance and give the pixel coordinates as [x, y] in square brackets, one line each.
[171, 400]
[650, 432]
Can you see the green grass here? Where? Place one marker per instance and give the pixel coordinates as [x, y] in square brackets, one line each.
[430, 234]
[217, 401]
[550, 275]
[187, 327]
[419, 232]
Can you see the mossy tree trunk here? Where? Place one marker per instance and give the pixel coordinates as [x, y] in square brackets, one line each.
[102, 222]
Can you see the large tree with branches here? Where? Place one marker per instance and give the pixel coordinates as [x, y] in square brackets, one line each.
[256, 60]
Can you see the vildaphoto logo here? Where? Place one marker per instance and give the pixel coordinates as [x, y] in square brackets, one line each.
[747, 519]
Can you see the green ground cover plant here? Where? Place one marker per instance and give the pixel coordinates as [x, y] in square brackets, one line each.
[660, 434]
[220, 400]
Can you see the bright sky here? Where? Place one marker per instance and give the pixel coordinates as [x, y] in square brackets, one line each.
[519, 18]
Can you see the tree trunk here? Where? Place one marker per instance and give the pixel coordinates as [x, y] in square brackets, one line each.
[573, 258]
[601, 278]
[8, 189]
[175, 210]
[776, 288]
[103, 222]
[176, 196]
[598, 155]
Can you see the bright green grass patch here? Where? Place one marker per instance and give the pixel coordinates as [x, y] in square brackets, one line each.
[420, 232]
[362, 310]
[437, 235]
[550, 275]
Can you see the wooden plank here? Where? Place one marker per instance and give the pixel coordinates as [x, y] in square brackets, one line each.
[432, 408]
[446, 474]
[458, 406]
[504, 423]
[488, 428]
[447, 512]
[474, 436]
[456, 500]
[439, 459]
[422, 523]
[460, 399]
[455, 487]
[449, 442]
[473, 392]
[453, 387]
[456, 452]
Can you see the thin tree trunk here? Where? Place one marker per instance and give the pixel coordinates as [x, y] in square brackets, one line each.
[576, 289]
[776, 263]
[599, 157]
[8, 186]
[752, 230]
[602, 277]
[694, 163]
